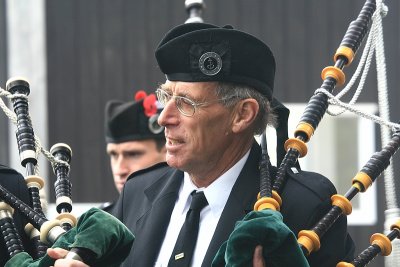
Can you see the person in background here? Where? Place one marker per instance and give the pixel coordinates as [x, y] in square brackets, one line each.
[134, 138]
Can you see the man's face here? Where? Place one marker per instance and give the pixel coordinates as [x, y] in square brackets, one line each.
[132, 156]
[198, 143]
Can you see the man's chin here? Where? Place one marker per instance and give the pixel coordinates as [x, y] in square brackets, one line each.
[174, 161]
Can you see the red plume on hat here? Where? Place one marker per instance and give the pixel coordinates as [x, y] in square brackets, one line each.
[149, 102]
[140, 95]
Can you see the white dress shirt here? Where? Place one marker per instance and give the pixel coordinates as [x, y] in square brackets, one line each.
[217, 195]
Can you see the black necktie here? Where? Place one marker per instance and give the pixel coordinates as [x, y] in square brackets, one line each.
[184, 246]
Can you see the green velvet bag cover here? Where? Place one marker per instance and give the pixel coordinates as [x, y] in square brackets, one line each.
[96, 230]
[266, 228]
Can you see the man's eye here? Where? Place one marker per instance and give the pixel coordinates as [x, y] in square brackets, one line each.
[112, 154]
[167, 94]
[134, 154]
[166, 97]
[187, 101]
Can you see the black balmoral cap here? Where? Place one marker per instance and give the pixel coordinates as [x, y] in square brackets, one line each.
[133, 121]
[197, 52]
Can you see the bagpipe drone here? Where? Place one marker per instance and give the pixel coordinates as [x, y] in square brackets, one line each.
[81, 237]
[269, 197]
[194, 9]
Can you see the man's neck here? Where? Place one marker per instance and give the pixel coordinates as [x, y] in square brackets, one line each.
[203, 178]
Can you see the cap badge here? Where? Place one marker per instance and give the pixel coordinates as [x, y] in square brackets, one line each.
[210, 63]
[154, 127]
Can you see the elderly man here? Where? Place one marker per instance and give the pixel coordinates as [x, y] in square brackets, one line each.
[216, 98]
[135, 140]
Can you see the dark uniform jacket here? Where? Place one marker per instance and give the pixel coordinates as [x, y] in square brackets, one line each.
[15, 183]
[148, 198]
[107, 207]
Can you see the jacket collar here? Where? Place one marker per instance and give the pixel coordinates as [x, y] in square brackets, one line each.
[153, 224]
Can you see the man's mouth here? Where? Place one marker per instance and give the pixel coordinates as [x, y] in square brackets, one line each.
[173, 145]
[174, 142]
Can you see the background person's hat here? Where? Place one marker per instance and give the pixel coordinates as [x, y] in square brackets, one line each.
[132, 121]
[196, 52]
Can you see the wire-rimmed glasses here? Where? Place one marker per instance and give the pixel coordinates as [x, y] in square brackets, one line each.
[185, 105]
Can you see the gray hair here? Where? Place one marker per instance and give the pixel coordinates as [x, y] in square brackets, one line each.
[232, 93]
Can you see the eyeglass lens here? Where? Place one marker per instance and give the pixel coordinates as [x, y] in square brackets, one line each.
[184, 105]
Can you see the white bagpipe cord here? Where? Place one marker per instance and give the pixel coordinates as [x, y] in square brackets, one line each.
[392, 213]
[375, 44]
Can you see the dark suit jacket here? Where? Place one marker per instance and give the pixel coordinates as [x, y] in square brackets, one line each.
[15, 183]
[107, 207]
[148, 198]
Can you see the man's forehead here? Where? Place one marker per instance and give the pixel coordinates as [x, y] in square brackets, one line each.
[189, 86]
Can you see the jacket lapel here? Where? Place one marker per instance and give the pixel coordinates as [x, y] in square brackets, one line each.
[240, 202]
[151, 227]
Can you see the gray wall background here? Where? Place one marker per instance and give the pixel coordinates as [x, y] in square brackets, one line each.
[3, 77]
[99, 50]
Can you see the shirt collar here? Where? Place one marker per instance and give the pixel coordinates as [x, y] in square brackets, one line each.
[217, 192]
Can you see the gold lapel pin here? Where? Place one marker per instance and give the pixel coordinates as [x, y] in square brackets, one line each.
[179, 256]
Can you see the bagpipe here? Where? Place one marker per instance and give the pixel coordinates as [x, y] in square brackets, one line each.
[58, 234]
[81, 237]
[194, 9]
[269, 199]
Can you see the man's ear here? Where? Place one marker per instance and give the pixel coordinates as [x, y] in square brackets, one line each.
[245, 113]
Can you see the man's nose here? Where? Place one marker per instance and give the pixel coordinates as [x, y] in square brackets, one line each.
[121, 167]
[169, 114]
